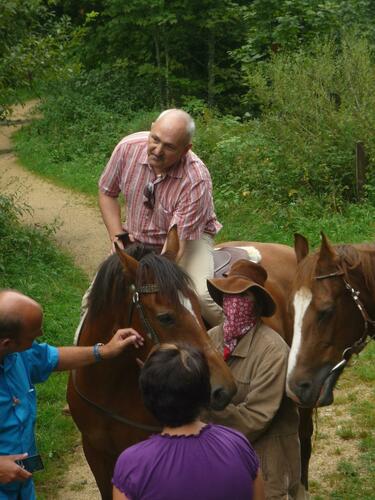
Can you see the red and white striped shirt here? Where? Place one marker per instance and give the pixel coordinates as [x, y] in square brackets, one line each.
[183, 197]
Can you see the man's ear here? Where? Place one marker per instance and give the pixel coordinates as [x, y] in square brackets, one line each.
[187, 148]
[7, 343]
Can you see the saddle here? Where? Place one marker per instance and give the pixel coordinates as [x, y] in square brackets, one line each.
[224, 258]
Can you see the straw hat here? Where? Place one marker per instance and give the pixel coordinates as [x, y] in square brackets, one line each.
[244, 275]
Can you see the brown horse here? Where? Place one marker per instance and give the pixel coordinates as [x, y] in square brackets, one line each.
[333, 299]
[153, 295]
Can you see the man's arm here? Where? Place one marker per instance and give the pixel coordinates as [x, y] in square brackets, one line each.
[253, 416]
[111, 214]
[75, 357]
[10, 471]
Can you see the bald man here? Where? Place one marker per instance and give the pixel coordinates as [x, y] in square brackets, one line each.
[23, 363]
[165, 185]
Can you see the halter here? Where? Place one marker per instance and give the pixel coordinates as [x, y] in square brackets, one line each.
[361, 343]
[151, 334]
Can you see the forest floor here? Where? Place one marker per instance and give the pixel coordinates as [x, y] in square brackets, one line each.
[79, 230]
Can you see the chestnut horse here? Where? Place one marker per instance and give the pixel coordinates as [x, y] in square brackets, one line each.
[153, 295]
[334, 304]
[281, 265]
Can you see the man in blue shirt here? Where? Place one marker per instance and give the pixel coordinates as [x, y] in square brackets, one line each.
[23, 363]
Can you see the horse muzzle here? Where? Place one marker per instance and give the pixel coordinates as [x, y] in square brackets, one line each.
[221, 397]
[315, 391]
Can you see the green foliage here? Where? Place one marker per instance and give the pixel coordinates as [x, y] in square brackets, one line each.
[316, 105]
[174, 50]
[274, 25]
[32, 48]
[29, 263]
[76, 136]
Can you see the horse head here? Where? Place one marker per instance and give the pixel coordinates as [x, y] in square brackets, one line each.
[329, 325]
[153, 294]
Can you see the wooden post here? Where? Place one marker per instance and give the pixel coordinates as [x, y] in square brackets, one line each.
[361, 162]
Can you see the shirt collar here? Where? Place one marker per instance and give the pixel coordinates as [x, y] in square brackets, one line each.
[8, 361]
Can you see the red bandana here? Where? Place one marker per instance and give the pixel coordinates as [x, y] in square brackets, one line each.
[240, 317]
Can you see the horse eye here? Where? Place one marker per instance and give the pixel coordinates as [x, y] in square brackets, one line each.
[325, 314]
[166, 319]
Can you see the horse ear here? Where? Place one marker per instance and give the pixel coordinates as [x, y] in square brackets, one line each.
[172, 244]
[327, 252]
[128, 263]
[301, 246]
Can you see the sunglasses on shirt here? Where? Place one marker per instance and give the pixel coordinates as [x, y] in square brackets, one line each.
[149, 194]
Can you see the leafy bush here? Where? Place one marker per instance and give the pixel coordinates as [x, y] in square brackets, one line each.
[316, 105]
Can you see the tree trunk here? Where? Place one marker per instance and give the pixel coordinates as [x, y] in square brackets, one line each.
[211, 69]
[158, 64]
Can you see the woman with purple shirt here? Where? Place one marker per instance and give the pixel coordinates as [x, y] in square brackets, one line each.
[189, 459]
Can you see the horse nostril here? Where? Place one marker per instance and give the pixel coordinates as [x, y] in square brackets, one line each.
[219, 398]
[304, 386]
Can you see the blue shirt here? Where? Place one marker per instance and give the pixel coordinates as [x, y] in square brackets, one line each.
[18, 374]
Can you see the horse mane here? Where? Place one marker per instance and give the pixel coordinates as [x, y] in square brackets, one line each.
[351, 257]
[110, 287]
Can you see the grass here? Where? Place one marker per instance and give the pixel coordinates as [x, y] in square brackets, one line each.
[352, 421]
[31, 264]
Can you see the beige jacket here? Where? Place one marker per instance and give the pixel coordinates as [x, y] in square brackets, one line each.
[261, 410]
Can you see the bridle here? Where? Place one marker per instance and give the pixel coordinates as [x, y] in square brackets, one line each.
[361, 343]
[136, 304]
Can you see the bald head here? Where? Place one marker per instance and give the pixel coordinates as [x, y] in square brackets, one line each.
[18, 313]
[178, 120]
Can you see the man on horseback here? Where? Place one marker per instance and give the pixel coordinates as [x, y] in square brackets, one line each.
[165, 185]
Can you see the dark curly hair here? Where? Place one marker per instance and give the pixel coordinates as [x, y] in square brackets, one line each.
[175, 384]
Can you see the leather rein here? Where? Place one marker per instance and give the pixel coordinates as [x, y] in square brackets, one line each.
[152, 335]
[361, 343]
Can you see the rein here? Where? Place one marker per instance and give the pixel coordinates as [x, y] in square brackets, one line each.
[361, 343]
[152, 335]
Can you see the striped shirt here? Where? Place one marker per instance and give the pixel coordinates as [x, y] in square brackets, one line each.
[183, 196]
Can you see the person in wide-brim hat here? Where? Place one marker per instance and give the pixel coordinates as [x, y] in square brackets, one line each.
[257, 357]
[244, 275]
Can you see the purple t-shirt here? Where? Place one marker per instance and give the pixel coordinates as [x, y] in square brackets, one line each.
[217, 464]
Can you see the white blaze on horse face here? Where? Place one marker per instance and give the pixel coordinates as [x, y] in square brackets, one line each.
[187, 303]
[301, 302]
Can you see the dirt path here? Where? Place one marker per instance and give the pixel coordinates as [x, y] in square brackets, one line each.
[81, 232]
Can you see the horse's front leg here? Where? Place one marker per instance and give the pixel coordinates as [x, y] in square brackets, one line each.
[102, 465]
[306, 429]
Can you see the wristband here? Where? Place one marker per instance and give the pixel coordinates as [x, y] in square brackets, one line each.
[96, 352]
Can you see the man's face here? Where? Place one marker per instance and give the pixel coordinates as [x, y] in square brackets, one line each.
[166, 145]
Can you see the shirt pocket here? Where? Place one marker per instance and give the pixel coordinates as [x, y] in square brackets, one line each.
[243, 387]
[162, 216]
[25, 407]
